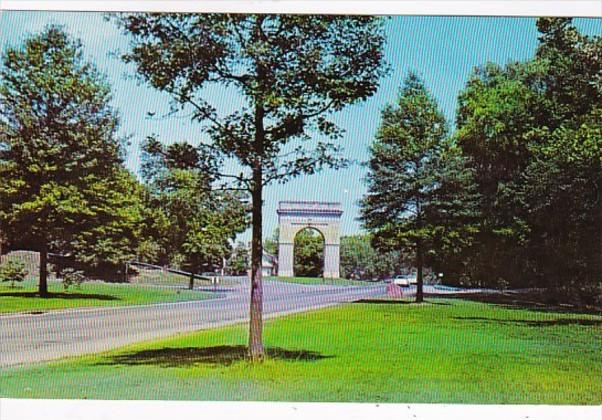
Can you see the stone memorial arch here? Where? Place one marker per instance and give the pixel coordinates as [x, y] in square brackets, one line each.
[295, 216]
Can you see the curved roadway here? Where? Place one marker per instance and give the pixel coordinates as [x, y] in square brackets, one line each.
[28, 338]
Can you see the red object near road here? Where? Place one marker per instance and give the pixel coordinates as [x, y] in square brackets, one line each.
[394, 291]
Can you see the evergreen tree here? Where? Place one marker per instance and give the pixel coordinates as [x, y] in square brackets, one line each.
[58, 146]
[419, 193]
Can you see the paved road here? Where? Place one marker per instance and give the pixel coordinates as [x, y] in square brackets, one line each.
[34, 338]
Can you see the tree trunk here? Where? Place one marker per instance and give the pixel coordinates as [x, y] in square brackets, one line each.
[256, 350]
[43, 286]
[419, 281]
[191, 282]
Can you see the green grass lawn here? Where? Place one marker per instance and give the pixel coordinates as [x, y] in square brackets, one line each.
[23, 298]
[445, 351]
[320, 280]
[163, 277]
[146, 276]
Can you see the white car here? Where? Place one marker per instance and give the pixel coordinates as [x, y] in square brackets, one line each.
[402, 281]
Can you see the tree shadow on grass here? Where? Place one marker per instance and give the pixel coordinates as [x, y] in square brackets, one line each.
[534, 323]
[215, 356]
[520, 300]
[60, 295]
[398, 302]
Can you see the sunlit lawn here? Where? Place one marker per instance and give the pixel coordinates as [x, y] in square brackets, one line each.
[24, 298]
[445, 351]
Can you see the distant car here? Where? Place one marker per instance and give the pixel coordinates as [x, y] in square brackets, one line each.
[402, 281]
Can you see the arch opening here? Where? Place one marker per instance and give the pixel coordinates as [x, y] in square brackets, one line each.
[308, 253]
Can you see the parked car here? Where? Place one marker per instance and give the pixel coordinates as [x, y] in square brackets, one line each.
[402, 281]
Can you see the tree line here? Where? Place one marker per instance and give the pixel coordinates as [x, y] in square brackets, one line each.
[359, 259]
[65, 189]
[511, 197]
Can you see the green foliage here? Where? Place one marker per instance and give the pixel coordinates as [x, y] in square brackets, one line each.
[72, 277]
[58, 135]
[420, 194]
[12, 271]
[533, 136]
[239, 261]
[197, 226]
[360, 260]
[122, 215]
[63, 188]
[308, 258]
[291, 70]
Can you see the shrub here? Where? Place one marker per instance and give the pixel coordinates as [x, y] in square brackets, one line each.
[72, 277]
[12, 271]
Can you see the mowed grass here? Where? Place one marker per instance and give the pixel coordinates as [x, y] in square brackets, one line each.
[24, 298]
[445, 351]
[320, 281]
[161, 277]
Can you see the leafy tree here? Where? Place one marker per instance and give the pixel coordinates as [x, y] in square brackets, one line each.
[290, 72]
[238, 264]
[12, 271]
[419, 192]
[58, 144]
[200, 224]
[360, 260]
[563, 183]
[270, 244]
[560, 188]
[103, 248]
[308, 259]
[496, 115]
[531, 132]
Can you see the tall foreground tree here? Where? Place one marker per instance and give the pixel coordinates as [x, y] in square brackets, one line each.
[58, 144]
[419, 194]
[290, 72]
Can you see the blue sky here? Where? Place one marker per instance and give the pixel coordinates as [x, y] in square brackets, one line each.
[442, 50]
